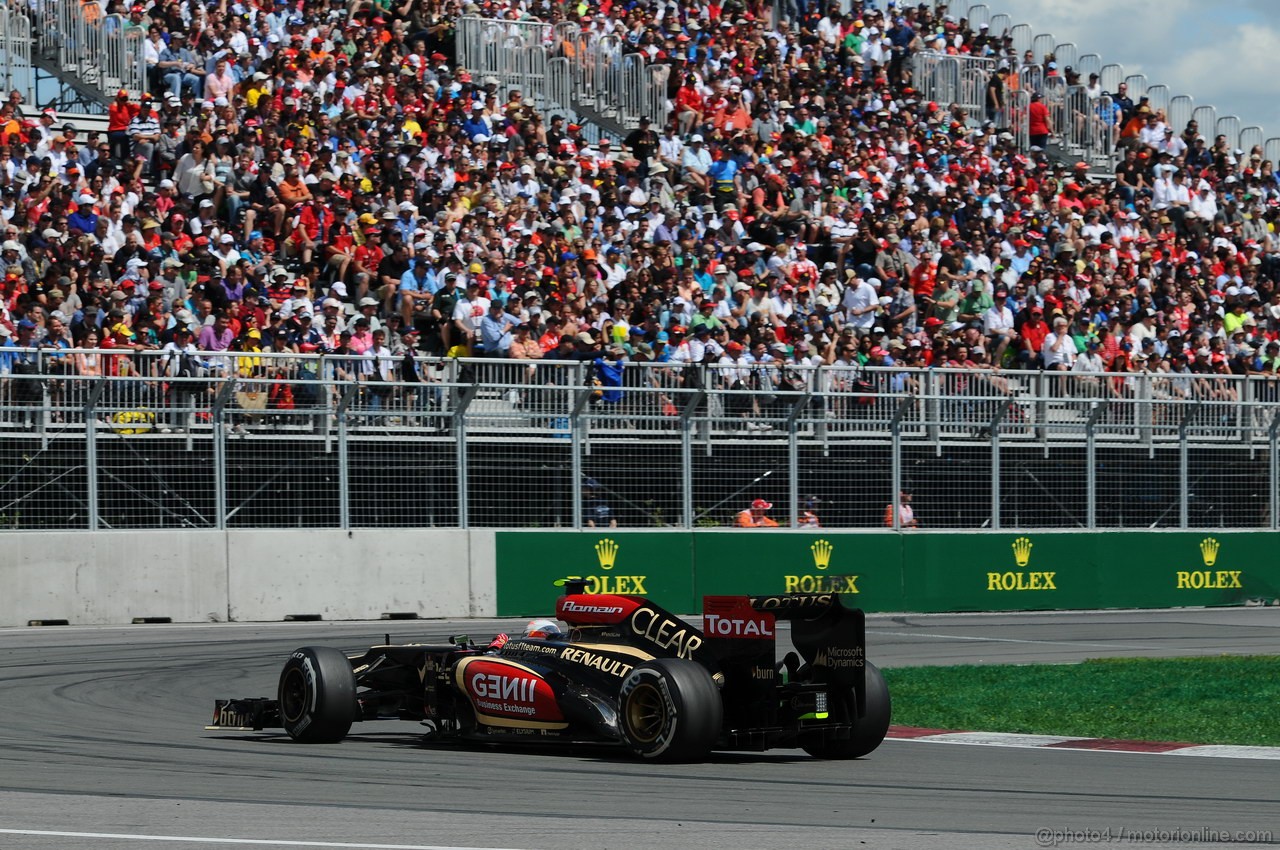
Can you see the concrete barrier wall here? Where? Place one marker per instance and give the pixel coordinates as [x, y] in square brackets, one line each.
[112, 577]
[355, 575]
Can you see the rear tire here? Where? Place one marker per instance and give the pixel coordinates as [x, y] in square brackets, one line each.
[869, 730]
[317, 695]
[670, 710]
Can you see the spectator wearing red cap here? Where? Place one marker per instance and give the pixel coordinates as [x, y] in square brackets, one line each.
[756, 516]
[119, 113]
[706, 315]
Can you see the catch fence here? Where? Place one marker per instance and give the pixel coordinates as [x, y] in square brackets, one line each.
[260, 441]
[589, 78]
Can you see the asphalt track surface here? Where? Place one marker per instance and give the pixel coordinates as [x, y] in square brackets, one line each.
[102, 746]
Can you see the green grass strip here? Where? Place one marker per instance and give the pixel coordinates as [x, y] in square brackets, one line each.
[1217, 700]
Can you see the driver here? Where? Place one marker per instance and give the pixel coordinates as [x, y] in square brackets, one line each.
[543, 629]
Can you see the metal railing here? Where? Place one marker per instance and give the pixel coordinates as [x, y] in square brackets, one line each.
[582, 75]
[98, 50]
[15, 53]
[255, 440]
[961, 81]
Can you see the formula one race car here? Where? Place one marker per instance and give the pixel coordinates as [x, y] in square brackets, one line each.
[626, 673]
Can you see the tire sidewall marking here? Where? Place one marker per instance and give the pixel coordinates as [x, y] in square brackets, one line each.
[666, 734]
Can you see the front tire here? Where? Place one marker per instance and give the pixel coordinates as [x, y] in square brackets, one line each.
[317, 695]
[868, 730]
[670, 710]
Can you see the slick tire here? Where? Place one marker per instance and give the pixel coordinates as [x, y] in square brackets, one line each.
[869, 730]
[670, 710]
[317, 695]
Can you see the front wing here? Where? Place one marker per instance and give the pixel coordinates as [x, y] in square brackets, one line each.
[249, 714]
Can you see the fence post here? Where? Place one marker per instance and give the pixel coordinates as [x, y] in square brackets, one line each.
[1244, 411]
[1091, 461]
[995, 464]
[1184, 460]
[995, 475]
[91, 452]
[931, 408]
[465, 394]
[46, 402]
[895, 473]
[793, 458]
[575, 457]
[219, 437]
[1273, 479]
[895, 458]
[344, 472]
[1042, 383]
[686, 457]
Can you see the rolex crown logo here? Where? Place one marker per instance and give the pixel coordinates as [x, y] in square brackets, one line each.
[1022, 551]
[1209, 551]
[822, 550]
[606, 553]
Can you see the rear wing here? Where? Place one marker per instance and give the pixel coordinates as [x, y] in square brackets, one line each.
[828, 636]
[740, 634]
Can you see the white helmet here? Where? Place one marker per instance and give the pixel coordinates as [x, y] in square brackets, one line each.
[543, 628]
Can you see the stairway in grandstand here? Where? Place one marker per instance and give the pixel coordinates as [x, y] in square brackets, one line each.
[74, 94]
[74, 58]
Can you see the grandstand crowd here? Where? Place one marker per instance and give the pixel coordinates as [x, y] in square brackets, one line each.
[324, 177]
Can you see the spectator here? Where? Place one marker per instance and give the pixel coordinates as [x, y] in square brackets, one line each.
[799, 188]
[495, 332]
[1039, 123]
[906, 514]
[1059, 350]
[756, 516]
[595, 508]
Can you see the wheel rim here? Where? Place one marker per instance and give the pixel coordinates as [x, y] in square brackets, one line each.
[646, 713]
[293, 695]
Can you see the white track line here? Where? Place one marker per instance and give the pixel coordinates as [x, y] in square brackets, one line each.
[1228, 751]
[257, 842]
[1012, 640]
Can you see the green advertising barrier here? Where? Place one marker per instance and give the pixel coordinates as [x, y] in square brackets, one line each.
[866, 568]
[886, 571]
[998, 572]
[1043, 571]
[656, 564]
[1174, 569]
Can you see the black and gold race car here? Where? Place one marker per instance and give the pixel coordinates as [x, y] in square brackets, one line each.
[625, 672]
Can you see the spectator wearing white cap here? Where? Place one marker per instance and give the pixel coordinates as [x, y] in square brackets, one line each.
[696, 163]
[1204, 203]
[226, 252]
[1174, 145]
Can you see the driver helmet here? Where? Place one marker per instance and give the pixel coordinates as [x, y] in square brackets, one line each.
[544, 629]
